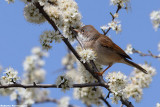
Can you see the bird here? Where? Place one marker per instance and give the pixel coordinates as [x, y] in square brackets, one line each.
[108, 53]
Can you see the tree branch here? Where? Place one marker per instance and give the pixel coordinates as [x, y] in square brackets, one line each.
[49, 85]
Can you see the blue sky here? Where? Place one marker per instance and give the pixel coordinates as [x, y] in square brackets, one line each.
[18, 37]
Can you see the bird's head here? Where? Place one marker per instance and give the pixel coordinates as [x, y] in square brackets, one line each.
[87, 33]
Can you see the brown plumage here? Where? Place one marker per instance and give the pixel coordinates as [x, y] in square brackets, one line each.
[107, 51]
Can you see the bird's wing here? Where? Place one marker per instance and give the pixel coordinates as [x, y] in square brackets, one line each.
[108, 43]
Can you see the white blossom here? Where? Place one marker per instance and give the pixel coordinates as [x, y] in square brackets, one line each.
[115, 15]
[31, 13]
[114, 25]
[38, 51]
[88, 95]
[64, 102]
[11, 76]
[24, 94]
[155, 18]
[117, 83]
[141, 79]
[65, 82]
[134, 91]
[30, 62]
[105, 27]
[158, 105]
[13, 96]
[48, 37]
[65, 14]
[33, 66]
[129, 49]
[39, 74]
[87, 55]
[68, 61]
[122, 3]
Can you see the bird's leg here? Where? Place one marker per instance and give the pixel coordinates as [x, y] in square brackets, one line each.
[101, 73]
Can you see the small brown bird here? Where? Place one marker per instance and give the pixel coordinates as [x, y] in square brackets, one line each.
[107, 51]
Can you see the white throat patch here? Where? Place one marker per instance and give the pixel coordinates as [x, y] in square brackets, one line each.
[82, 38]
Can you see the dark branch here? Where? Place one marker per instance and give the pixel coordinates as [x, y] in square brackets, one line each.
[126, 102]
[49, 85]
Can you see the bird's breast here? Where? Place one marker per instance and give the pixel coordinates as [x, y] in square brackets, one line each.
[105, 56]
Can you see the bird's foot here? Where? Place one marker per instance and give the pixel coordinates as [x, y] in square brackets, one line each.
[99, 73]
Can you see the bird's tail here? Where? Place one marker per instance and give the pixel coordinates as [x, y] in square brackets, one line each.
[128, 62]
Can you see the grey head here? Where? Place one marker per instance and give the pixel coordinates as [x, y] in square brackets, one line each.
[87, 33]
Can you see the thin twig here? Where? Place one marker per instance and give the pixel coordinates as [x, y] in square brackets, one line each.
[105, 101]
[108, 94]
[118, 8]
[145, 54]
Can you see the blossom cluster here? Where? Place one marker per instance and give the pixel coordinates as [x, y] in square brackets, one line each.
[63, 12]
[33, 73]
[87, 55]
[33, 66]
[64, 102]
[66, 15]
[158, 105]
[88, 95]
[122, 3]
[139, 80]
[32, 14]
[65, 82]
[68, 61]
[155, 18]
[48, 37]
[10, 77]
[26, 96]
[114, 25]
[123, 87]
[117, 82]
[129, 49]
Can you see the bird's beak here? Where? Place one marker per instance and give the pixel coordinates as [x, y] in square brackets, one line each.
[76, 30]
